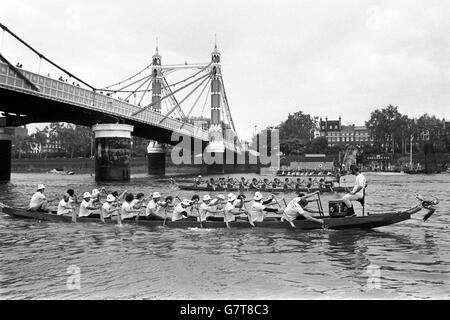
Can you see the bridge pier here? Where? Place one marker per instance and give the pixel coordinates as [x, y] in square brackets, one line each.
[156, 159]
[5, 155]
[112, 152]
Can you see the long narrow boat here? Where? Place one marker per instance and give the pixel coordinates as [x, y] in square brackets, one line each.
[273, 190]
[357, 222]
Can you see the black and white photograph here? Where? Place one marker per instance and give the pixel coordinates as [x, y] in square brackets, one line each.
[235, 153]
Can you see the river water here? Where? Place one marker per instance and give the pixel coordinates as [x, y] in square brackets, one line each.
[410, 260]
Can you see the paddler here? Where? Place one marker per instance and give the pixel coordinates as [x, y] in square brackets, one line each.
[260, 208]
[127, 211]
[205, 210]
[180, 210]
[153, 207]
[254, 184]
[108, 208]
[38, 201]
[87, 207]
[231, 209]
[296, 208]
[64, 206]
[357, 192]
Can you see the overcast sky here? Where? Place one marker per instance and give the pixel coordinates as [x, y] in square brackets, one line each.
[326, 58]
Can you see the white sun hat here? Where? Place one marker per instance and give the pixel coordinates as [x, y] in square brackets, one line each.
[110, 198]
[258, 196]
[40, 187]
[86, 195]
[206, 197]
[185, 202]
[221, 197]
[231, 197]
[156, 195]
[95, 192]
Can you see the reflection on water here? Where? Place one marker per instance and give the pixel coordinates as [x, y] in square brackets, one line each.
[135, 262]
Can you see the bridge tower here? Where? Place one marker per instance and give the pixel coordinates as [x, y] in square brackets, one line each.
[155, 151]
[216, 147]
[5, 155]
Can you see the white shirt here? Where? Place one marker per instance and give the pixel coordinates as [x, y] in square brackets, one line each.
[359, 182]
[37, 199]
[125, 211]
[176, 215]
[152, 208]
[64, 207]
[203, 210]
[293, 209]
[84, 211]
[229, 216]
[106, 208]
[257, 212]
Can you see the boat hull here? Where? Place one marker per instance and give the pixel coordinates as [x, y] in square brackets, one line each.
[272, 190]
[365, 222]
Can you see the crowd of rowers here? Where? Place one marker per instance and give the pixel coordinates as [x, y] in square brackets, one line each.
[264, 184]
[125, 206]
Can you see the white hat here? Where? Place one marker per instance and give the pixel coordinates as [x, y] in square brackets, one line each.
[221, 197]
[199, 176]
[206, 197]
[86, 195]
[156, 195]
[185, 202]
[258, 195]
[95, 192]
[110, 198]
[40, 187]
[231, 197]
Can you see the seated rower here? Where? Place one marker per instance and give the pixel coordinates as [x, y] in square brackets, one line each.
[87, 208]
[266, 184]
[205, 210]
[287, 184]
[276, 183]
[138, 202]
[296, 208]
[95, 196]
[309, 184]
[108, 208]
[260, 208]
[230, 183]
[127, 211]
[198, 181]
[243, 184]
[73, 198]
[65, 206]
[254, 184]
[180, 210]
[357, 192]
[218, 202]
[153, 207]
[230, 210]
[211, 184]
[38, 201]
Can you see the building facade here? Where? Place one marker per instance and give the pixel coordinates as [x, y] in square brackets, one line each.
[340, 135]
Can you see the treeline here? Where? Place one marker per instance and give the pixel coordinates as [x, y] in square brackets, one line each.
[392, 132]
[63, 140]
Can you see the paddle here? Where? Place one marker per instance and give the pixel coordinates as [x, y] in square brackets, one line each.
[247, 213]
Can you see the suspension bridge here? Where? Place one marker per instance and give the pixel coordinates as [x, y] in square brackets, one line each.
[159, 102]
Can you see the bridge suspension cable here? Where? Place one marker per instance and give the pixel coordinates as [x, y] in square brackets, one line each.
[165, 97]
[44, 57]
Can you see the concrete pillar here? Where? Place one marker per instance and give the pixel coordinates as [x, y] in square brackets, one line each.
[156, 158]
[5, 155]
[112, 152]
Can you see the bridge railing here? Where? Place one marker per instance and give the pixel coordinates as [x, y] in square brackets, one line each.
[69, 93]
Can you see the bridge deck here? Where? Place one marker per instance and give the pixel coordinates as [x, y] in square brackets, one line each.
[58, 90]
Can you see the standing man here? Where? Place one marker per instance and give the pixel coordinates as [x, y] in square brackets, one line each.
[357, 192]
